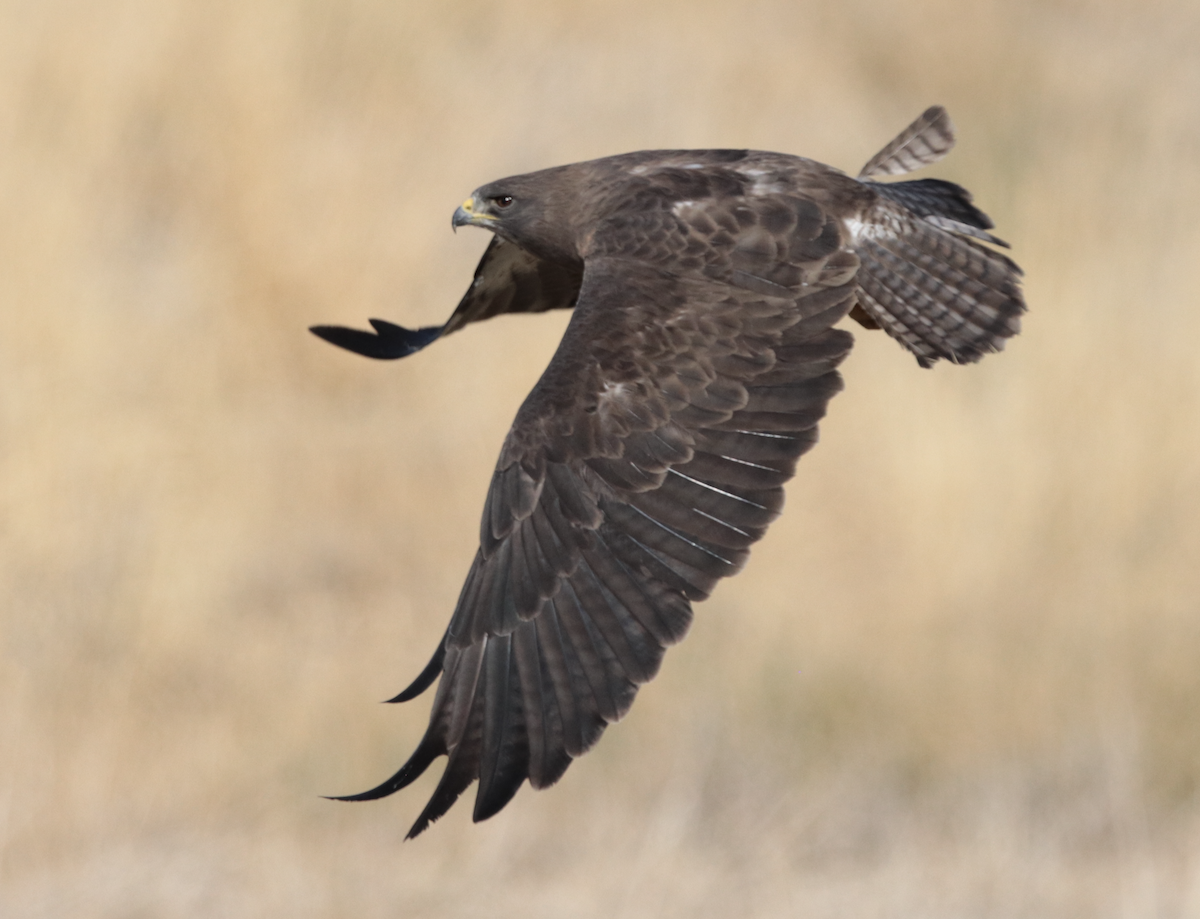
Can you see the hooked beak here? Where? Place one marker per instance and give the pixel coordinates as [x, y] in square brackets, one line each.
[469, 214]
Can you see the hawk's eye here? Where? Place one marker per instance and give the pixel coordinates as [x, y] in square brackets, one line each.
[502, 201]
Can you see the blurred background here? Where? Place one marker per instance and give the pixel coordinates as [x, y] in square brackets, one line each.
[960, 677]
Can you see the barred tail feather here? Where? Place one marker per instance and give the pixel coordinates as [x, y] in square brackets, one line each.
[923, 142]
[941, 294]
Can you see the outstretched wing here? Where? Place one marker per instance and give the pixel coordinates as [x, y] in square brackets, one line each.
[638, 472]
[507, 280]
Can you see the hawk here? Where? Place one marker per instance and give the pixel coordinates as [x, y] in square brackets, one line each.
[653, 451]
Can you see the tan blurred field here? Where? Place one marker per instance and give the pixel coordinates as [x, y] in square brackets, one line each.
[960, 677]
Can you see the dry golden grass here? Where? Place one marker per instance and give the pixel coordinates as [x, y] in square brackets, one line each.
[959, 678]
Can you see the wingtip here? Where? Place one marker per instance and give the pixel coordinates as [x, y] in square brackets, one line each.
[427, 751]
[488, 804]
[387, 342]
[417, 828]
[425, 678]
[443, 799]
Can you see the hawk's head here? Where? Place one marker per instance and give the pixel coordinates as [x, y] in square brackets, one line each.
[528, 210]
[482, 210]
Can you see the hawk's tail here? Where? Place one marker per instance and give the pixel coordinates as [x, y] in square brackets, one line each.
[926, 277]
[933, 286]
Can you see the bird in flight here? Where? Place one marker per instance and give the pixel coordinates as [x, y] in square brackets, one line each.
[653, 451]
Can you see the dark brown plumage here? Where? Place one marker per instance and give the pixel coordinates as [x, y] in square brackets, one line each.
[653, 451]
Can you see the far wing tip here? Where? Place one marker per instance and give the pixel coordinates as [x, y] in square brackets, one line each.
[387, 342]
